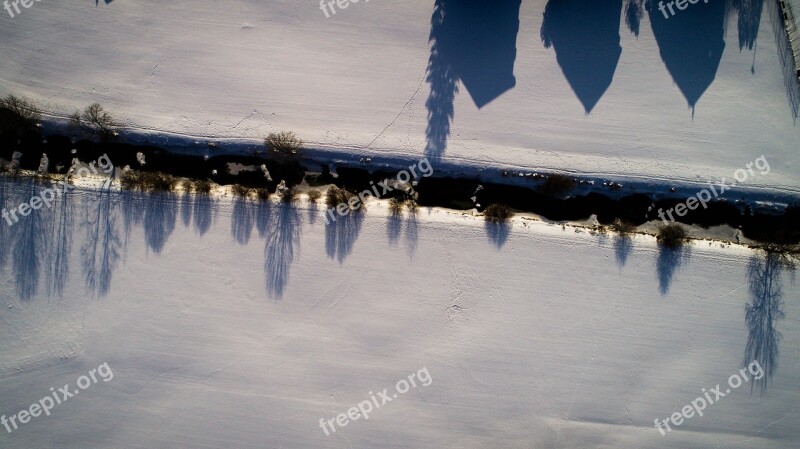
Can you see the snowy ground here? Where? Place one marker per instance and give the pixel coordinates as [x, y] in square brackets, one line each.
[231, 325]
[357, 81]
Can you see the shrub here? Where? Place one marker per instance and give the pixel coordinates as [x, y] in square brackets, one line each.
[396, 206]
[557, 185]
[20, 114]
[671, 235]
[148, 181]
[622, 227]
[284, 143]
[314, 195]
[498, 213]
[94, 120]
[412, 206]
[263, 194]
[240, 190]
[187, 185]
[288, 195]
[202, 186]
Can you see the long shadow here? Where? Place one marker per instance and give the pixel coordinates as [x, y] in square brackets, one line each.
[187, 208]
[691, 44]
[30, 243]
[160, 216]
[748, 22]
[412, 233]
[7, 185]
[669, 261]
[341, 235]
[394, 227]
[790, 78]
[262, 217]
[585, 36]
[58, 270]
[623, 245]
[497, 233]
[101, 250]
[204, 208]
[475, 42]
[281, 248]
[241, 220]
[133, 211]
[763, 311]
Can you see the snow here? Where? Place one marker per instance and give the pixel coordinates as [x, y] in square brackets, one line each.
[534, 336]
[231, 324]
[356, 82]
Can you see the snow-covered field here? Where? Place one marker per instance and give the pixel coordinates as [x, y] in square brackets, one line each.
[599, 100]
[219, 335]
[228, 323]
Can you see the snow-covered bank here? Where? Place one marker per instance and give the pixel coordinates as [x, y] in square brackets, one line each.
[534, 336]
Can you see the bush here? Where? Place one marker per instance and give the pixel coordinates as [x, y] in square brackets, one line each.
[284, 143]
[314, 195]
[396, 206]
[202, 186]
[412, 206]
[94, 120]
[241, 191]
[20, 113]
[498, 213]
[671, 235]
[263, 194]
[288, 196]
[148, 181]
[622, 227]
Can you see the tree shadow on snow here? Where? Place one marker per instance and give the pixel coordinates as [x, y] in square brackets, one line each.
[623, 245]
[474, 42]
[394, 227]
[160, 215]
[30, 242]
[241, 220]
[763, 311]
[497, 232]
[204, 211]
[585, 36]
[341, 234]
[281, 248]
[101, 249]
[668, 263]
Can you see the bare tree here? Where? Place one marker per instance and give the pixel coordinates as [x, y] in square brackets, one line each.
[95, 120]
[284, 143]
[20, 113]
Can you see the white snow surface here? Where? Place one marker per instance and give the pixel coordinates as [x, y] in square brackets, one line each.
[356, 82]
[552, 338]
